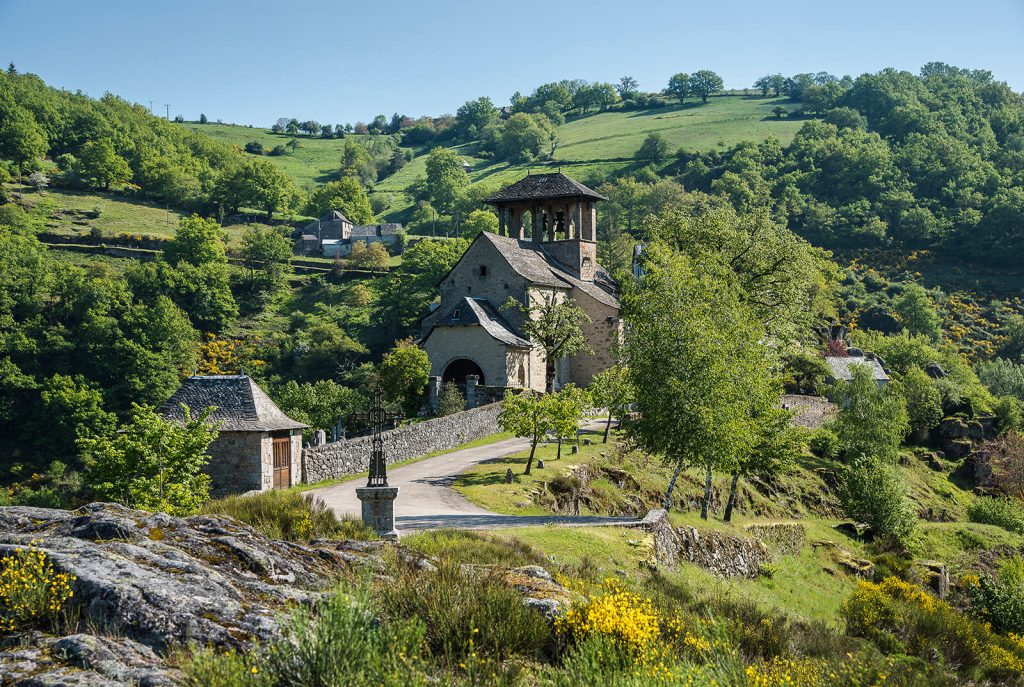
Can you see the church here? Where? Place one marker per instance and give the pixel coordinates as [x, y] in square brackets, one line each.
[545, 248]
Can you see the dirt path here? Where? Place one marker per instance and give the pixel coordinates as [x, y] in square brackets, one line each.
[426, 499]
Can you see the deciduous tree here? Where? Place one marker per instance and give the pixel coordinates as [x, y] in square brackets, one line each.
[678, 86]
[346, 195]
[705, 83]
[99, 165]
[555, 326]
[526, 415]
[404, 373]
[873, 419]
[611, 389]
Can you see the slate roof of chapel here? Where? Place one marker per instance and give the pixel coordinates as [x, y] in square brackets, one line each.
[541, 186]
[241, 405]
[478, 311]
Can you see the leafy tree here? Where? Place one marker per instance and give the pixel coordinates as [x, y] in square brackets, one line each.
[874, 491]
[915, 311]
[697, 364]
[71, 409]
[197, 241]
[373, 256]
[451, 400]
[923, 399]
[655, 148]
[1003, 377]
[565, 410]
[404, 373]
[360, 296]
[320, 349]
[627, 86]
[526, 137]
[203, 291]
[21, 138]
[152, 463]
[203, 119]
[356, 162]
[320, 404]
[555, 326]
[266, 254]
[445, 178]
[526, 415]
[779, 111]
[268, 187]
[99, 165]
[611, 389]
[705, 83]
[679, 86]
[479, 221]
[872, 420]
[805, 373]
[473, 115]
[777, 450]
[346, 195]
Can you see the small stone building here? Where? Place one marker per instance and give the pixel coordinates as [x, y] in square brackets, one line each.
[258, 448]
[545, 248]
[841, 368]
[334, 234]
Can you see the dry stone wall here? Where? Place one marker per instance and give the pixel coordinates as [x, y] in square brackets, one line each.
[351, 456]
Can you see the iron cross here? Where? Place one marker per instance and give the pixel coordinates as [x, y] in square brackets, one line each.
[375, 418]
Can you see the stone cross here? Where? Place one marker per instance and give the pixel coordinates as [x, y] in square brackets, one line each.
[376, 418]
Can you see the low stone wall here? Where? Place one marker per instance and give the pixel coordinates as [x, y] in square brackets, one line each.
[783, 538]
[350, 456]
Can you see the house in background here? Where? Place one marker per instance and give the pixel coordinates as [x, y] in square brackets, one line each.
[841, 368]
[258, 448]
[333, 235]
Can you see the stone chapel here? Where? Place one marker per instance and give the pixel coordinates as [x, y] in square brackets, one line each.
[546, 247]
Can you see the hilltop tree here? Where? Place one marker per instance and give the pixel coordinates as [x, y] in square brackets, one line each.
[556, 327]
[346, 195]
[705, 83]
[654, 148]
[627, 87]
[445, 178]
[473, 115]
[203, 119]
[679, 86]
[99, 165]
[526, 137]
[22, 140]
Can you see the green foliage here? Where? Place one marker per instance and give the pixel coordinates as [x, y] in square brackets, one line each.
[346, 195]
[704, 83]
[915, 311]
[678, 86]
[1003, 377]
[266, 254]
[197, 241]
[825, 443]
[451, 400]
[874, 491]
[999, 599]
[1007, 513]
[151, 463]
[655, 148]
[22, 140]
[288, 515]
[473, 115]
[255, 183]
[872, 420]
[555, 325]
[445, 178]
[71, 409]
[372, 256]
[526, 415]
[100, 166]
[404, 373]
[479, 221]
[522, 138]
[320, 404]
[805, 372]
[612, 389]
[923, 400]
[565, 412]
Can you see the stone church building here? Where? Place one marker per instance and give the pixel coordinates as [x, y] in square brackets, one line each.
[545, 248]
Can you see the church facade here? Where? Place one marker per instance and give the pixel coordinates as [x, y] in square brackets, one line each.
[545, 249]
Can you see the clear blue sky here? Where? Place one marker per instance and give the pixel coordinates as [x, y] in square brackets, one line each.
[341, 61]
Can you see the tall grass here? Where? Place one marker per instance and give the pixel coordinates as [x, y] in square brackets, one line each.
[288, 515]
[463, 546]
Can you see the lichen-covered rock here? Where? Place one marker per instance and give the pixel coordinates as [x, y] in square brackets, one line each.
[84, 661]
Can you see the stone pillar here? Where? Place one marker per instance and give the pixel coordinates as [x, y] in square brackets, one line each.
[434, 394]
[471, 382]
[537, 224]
[516, 228]
[589, 222]
[501, 221]
[549, 216]
[379, 509]
[577, 221]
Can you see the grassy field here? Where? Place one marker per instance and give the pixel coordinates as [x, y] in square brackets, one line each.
[69, 212]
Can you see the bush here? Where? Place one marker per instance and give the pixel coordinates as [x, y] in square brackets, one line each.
[32, 592]
[288, 515]
[825, 444]
[874, 491]
[465, 546]
[1001, 512]
[451, 400]
[999, 600]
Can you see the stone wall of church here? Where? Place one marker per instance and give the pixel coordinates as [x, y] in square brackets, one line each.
[351, 456]
[601, 334]
[446, 344]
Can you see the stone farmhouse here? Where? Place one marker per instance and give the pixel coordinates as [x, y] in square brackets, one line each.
[333, 235]
[259, 447]
[545, 248]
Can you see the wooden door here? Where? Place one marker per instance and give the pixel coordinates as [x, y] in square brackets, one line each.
[282, 462]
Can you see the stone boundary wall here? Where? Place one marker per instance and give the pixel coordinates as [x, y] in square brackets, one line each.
[351, 456]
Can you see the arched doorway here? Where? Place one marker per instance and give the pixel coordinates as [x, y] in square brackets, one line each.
[459, 369]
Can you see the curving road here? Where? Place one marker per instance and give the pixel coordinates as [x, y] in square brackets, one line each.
[426, 499]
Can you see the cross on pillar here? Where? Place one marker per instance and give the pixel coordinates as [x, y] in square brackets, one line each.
[376, 417]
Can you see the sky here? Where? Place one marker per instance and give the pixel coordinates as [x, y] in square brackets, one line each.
[337, 62]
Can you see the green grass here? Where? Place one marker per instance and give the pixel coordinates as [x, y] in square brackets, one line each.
[117, 214]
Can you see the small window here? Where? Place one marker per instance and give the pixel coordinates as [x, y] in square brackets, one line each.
[483, 270]
[456, 313]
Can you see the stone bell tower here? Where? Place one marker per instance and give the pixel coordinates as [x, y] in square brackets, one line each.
[556, 212]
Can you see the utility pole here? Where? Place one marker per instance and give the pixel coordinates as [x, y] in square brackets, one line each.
[150, 107]
[168, 111]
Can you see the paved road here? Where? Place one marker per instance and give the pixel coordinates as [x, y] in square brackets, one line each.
[427, 501]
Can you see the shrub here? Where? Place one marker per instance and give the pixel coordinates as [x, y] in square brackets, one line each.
[999, 599]
[924, 400]
[288, 515]
[1002, 512]
[32, 592]
[625, 618]
[451, 400]
[465, 546]
[874, 491]
[873, 420]
[825, 444]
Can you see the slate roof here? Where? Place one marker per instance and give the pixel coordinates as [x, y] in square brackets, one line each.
[477, 311]
[840, 366]
[367, 230]
[541, 186]
[335, 215]
[242, 406]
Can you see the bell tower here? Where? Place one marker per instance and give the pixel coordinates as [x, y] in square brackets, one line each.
[556, 212]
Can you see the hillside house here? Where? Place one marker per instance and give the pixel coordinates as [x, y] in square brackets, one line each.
[545, 247]
[333, 235]
[258, 448]
[841, 368]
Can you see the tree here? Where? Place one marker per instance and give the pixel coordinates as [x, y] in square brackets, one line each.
[555, 326]
[152, 463]
[872, 420]
[679, 86]
[915, 311]
[197, 241]
[373, 256]
[479, 221]
[267, 255]
[627, 86]
[451, 400]
[445, 178]
[526, 137]
[874, 491]
[203, 119]
[776, 452]
[268, 187]
[473, 115]
[565, 410]
[346, 195]
[779, 111]
[654, 148]
[100, 165]
[697, 363]
[923, 399]
[71, 409]
[611, 389]
[705, 83]
[526, 415]
[360, 296]
[356, 162]
[404, 373]
[22, 140]
[320, 404]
